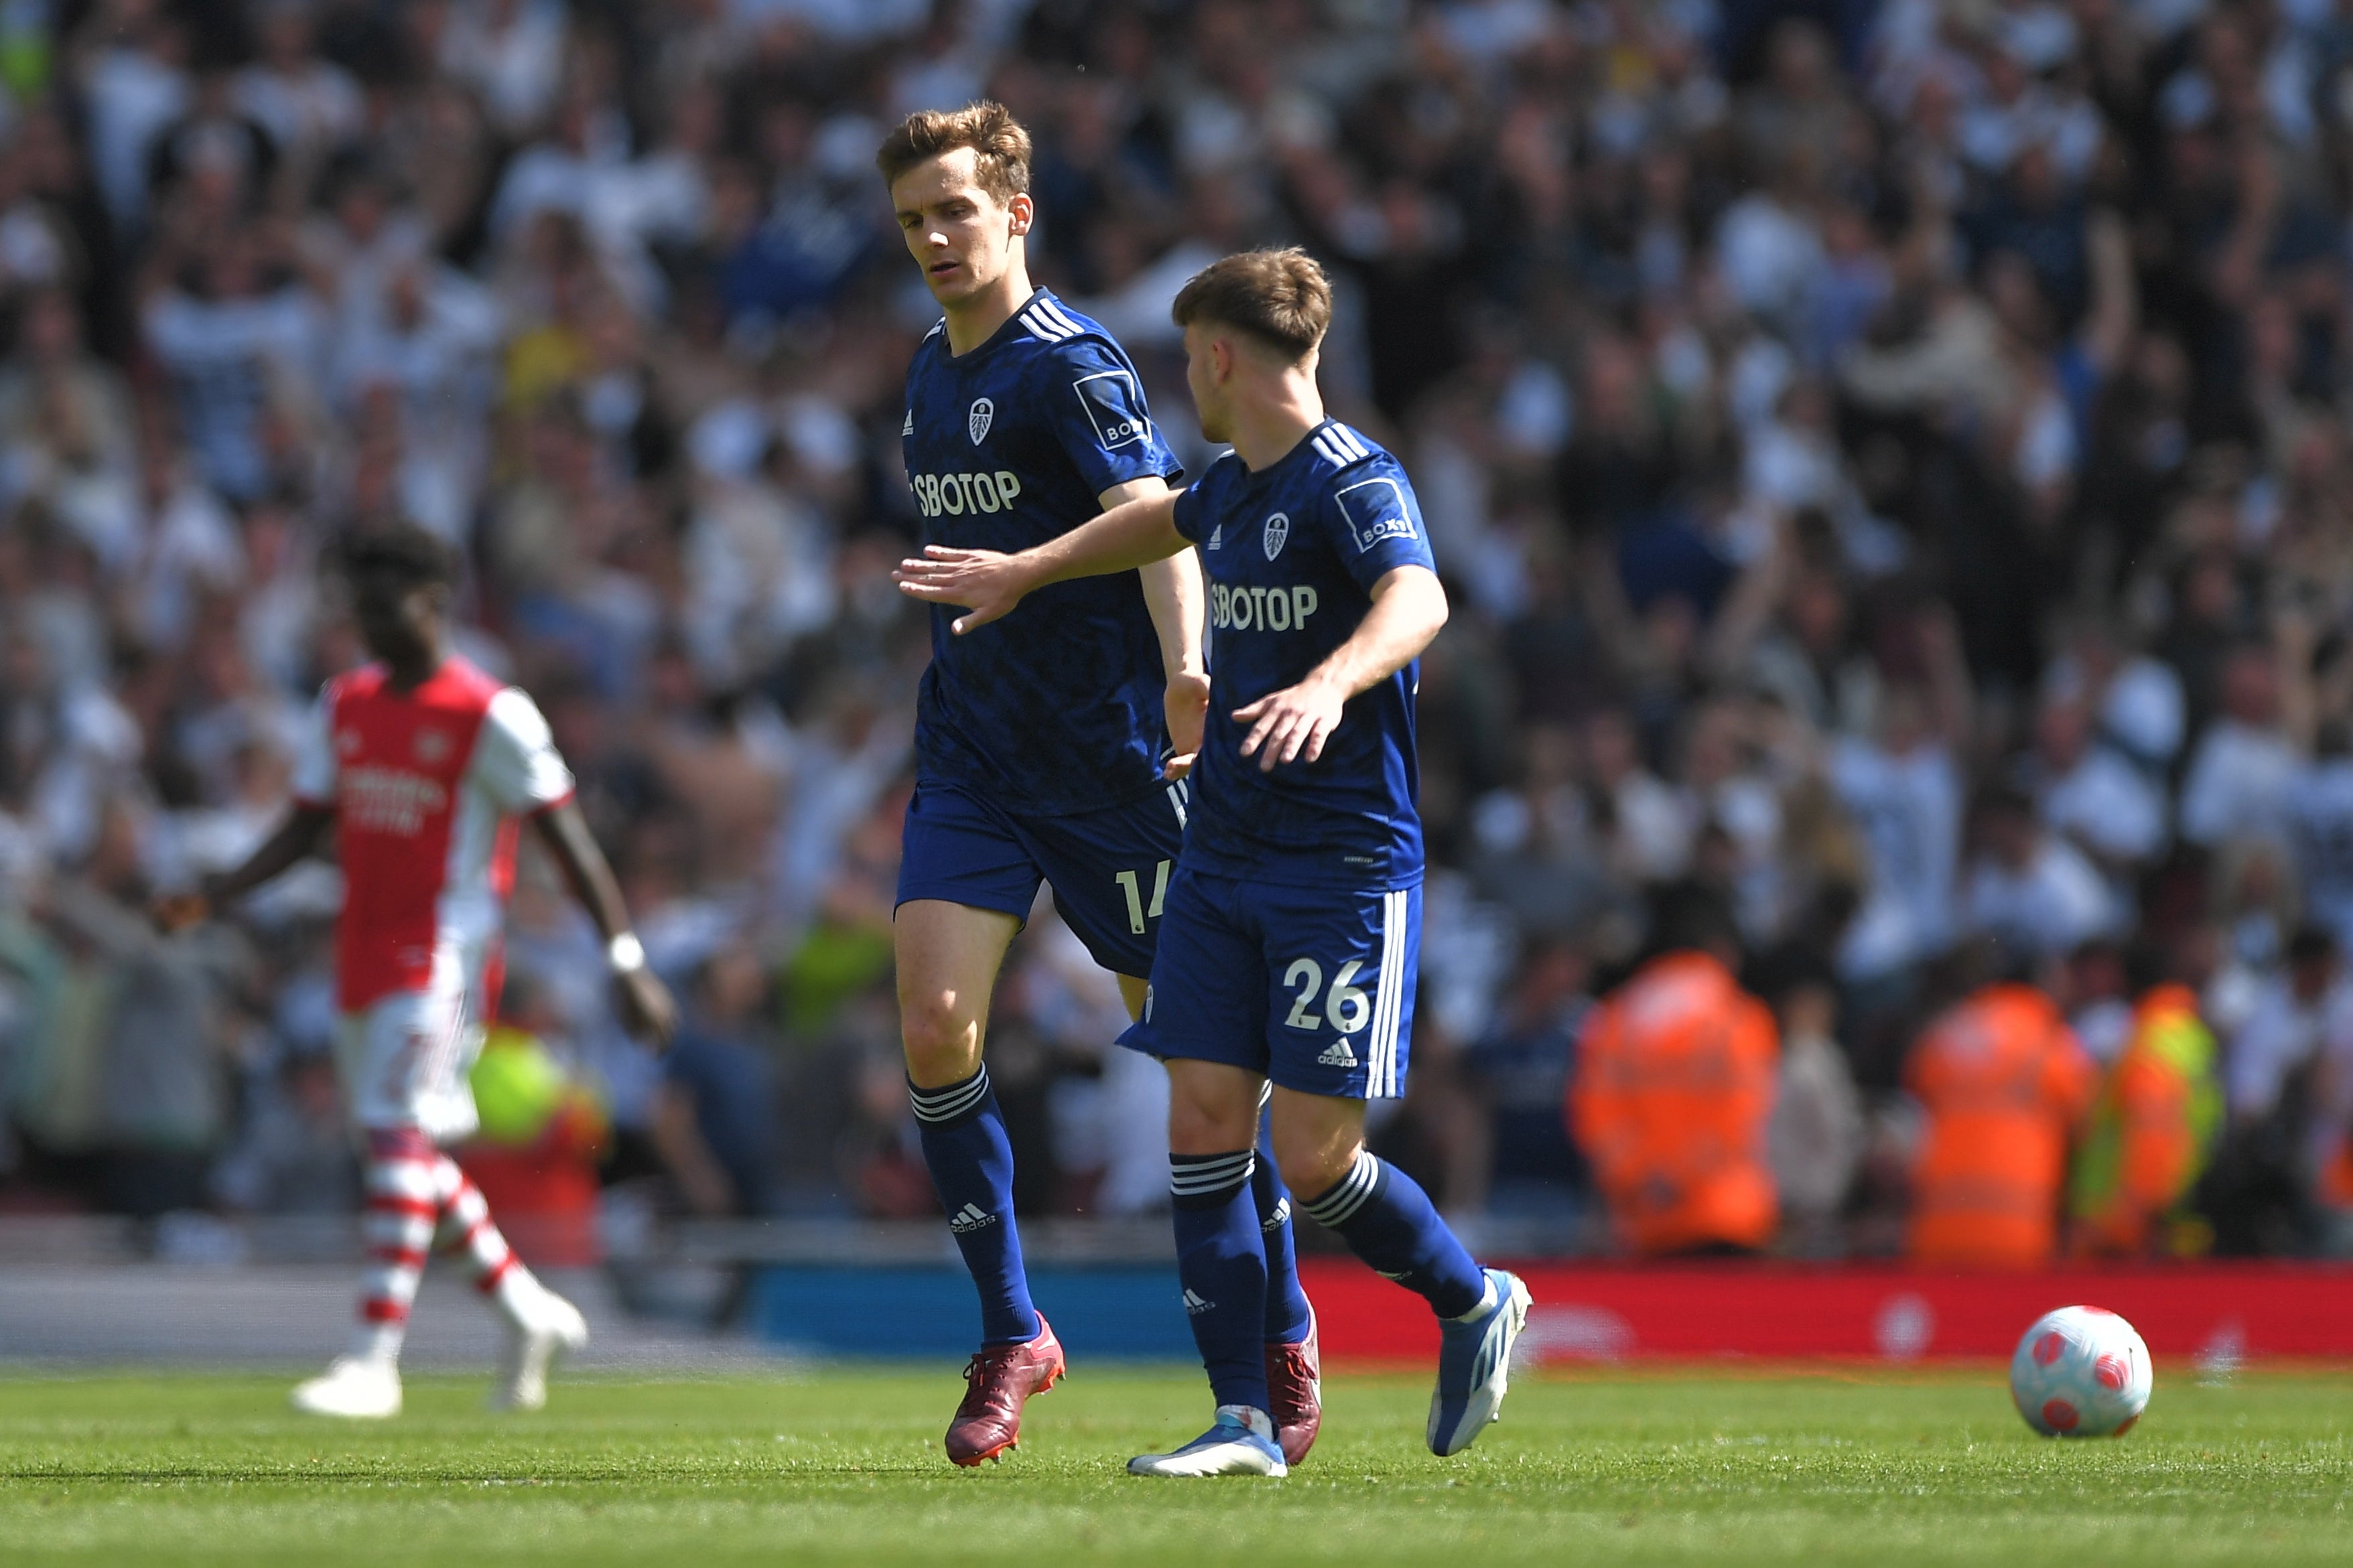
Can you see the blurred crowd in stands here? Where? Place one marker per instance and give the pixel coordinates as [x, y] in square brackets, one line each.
[1891, 463]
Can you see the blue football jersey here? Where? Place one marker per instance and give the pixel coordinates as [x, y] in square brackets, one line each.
[1057, 707]
[1292, 555]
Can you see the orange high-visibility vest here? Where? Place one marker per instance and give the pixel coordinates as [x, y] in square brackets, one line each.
[2154, 1121]
[1673, 1085]
[2333, 1187]
[2003, 1081]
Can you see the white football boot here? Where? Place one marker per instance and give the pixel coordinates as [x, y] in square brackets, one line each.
[553, 1325]
[1240, 1444]
[357, 1388]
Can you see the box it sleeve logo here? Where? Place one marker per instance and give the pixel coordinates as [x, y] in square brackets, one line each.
[1375, 510]
[1114, 408]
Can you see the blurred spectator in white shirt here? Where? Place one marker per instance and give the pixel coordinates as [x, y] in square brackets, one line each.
[1904, 795]
[235, 340]
[1649, 822]
[2320, 830]
[67, 434]
[512, 52]
[135, 75]
[2090, 793]
[1815, 1139]
[2242, 767]
[2306, 1009]
[309, 105]
[2029, 886]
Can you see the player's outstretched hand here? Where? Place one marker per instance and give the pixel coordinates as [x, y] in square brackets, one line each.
[175, 913]
[1187, 706]
[652, 1013]
[985, 582]
[1290, 724]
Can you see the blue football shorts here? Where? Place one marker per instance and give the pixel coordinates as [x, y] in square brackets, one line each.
[1110, 869]
[1312, 986]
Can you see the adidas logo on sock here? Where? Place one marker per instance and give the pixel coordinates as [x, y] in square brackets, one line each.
[1194, 1305]
[969, 1218]
[1336, 1054]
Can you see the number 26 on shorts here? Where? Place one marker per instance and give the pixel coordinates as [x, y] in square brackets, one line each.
[1345, 1006]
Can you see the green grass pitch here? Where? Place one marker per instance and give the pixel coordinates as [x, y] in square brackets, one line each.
[1649, 1467]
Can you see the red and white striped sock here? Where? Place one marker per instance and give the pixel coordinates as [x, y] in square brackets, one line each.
[466, 1231]
[418, 1199]
[404, 1199]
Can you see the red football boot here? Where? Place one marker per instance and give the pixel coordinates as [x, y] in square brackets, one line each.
[1295, 1386]
[996, 1382]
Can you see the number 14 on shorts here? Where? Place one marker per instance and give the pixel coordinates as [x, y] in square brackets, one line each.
[1132, 884]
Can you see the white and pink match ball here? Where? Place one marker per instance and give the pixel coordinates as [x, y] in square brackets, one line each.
[2081, 1372]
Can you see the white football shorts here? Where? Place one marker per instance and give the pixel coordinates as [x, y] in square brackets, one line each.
[405, 1058]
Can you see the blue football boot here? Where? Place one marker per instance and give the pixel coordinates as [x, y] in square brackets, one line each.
[1474, 1366]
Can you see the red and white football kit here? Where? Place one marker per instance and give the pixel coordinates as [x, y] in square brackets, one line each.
[428, 787]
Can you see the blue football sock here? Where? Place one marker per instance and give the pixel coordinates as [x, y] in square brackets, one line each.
[1286, 1303]
[1390, 1222]
[972, 1170]
[1221, 1264]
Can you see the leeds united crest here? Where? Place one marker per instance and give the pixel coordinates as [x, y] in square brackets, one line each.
[1278, 528]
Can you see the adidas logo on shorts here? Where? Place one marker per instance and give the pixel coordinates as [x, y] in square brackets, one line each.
[1194, 1306]
[1336, 1054]
[970, 1217]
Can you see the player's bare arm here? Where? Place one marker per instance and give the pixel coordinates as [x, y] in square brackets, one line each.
[989, 584]
[563, 831]
[1408, 609]
[299, 837]
[1174, 593]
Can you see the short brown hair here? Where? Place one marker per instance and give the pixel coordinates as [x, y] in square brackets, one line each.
[989, 129]
[1279, 297]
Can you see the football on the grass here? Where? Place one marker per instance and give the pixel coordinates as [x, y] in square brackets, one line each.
[2080, 1372]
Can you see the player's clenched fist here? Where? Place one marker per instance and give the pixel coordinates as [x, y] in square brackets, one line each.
[1186, 704]
[175, 913]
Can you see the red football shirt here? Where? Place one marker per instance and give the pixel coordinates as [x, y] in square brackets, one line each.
[426, 786]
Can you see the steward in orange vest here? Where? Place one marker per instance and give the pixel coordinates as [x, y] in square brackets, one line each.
[2152, 1130]
[1674, 1088]
[2004, 1083]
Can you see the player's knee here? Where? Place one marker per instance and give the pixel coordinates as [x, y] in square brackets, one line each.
[1210, 1110]
[1199, 1127]
[941, 1042]
[1313, 1159]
